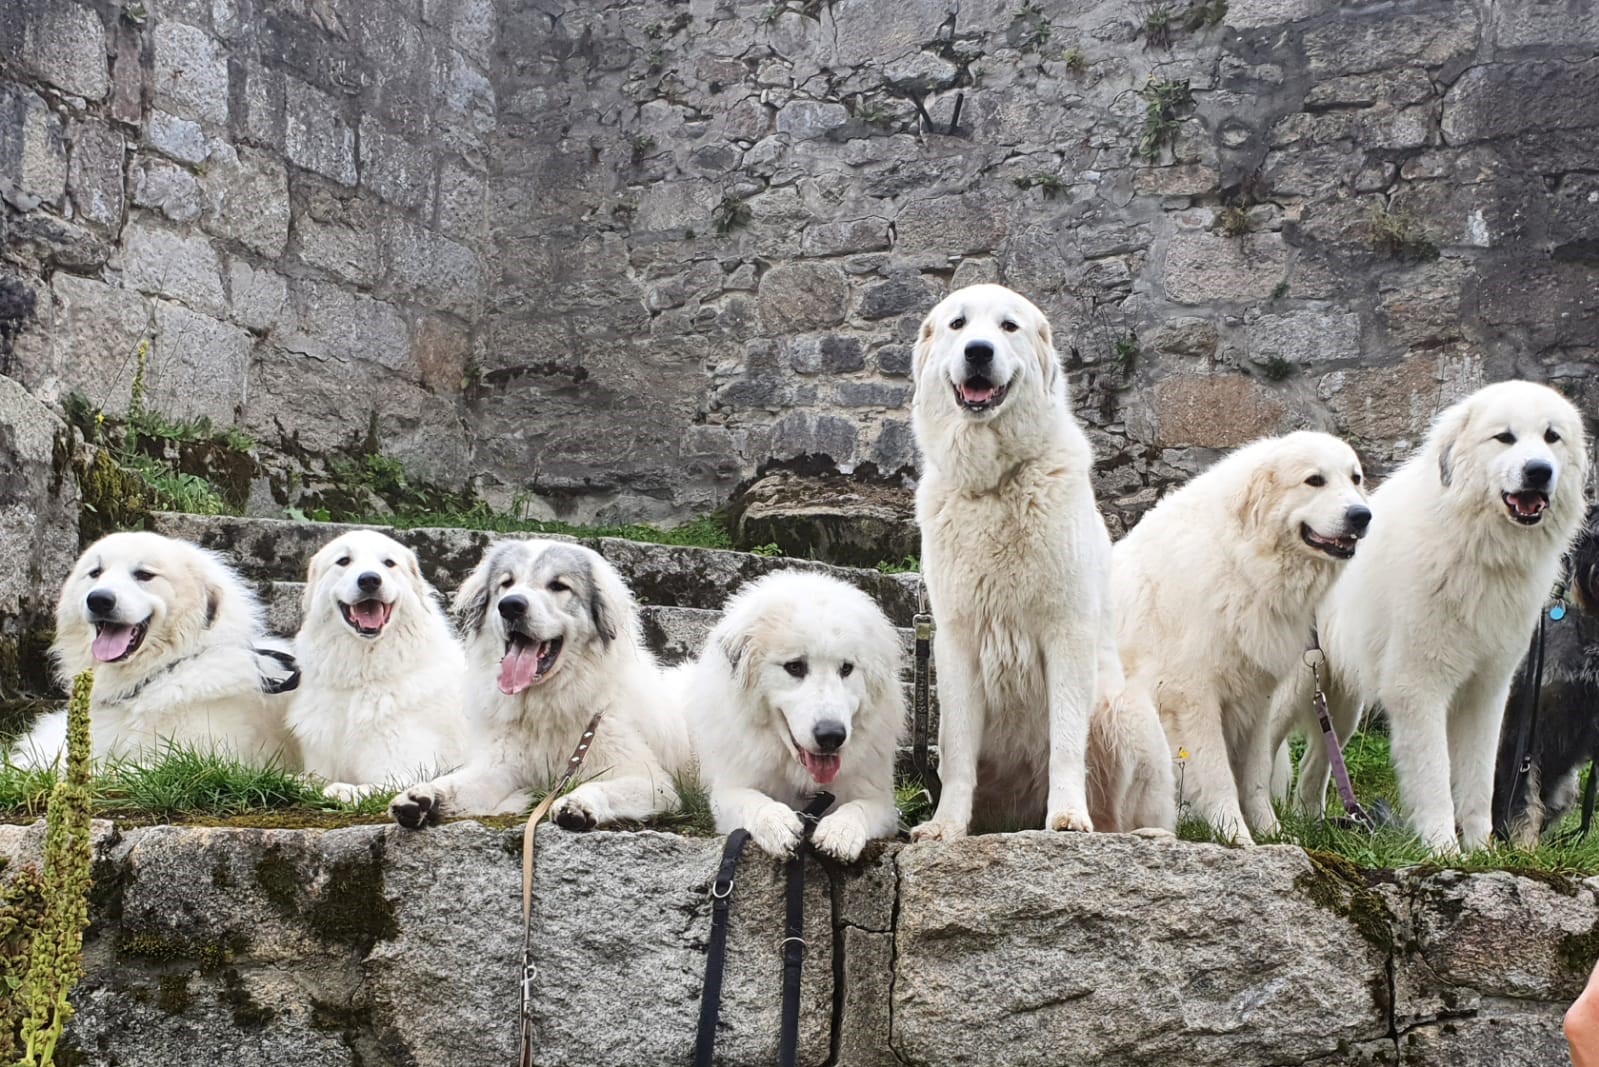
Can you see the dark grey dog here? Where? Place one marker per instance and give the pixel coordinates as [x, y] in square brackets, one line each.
[1565, 734]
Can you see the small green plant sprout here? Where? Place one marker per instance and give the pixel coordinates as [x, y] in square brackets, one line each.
[1276, 368]
[1232, 221]
[1125, 353]
[1034, 30]
[1203, 14]
[1165, 103]
[1399, 235]
[767, 551]
[1075, 60]
[873, 113]
[640, 145]
[772, 14]
[731, 214]
[1157, 27]
[1052, 185]
[1279, 290]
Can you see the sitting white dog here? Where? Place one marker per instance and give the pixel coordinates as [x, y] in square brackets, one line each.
[797, 690]
[381, 697]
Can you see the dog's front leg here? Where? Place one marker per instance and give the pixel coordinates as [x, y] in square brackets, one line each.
[633, 796]
[962, 711]
[1070, 664]
[1258, 758]
[775, 827]
[1418, 726]
[483, 788]
[844, 831]
[1193, 723]
[1473, 747]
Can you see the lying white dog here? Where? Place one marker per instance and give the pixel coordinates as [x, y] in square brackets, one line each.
[179, 654]
[1433, 614]
[552, 637]
[1017, 564]
[1216, 591]
[797, 690]
[383, 682]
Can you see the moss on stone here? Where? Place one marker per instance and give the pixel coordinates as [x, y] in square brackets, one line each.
[172, 993]
[278, 879]
[212, 954]
[1578, 951]
[248, 1013]
[113, 498]
[351, 908]
[1335, 884]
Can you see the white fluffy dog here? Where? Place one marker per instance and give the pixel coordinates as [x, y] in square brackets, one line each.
[179, 653]
[552, 637]
[1216, 591]
[382, 689]
[798, 690]
[1433, 614]
[1017, 564]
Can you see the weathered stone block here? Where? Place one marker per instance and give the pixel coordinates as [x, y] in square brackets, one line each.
[179, 138]
[168, 263]
[1204, 267]
[259, 299]
[340, 237]
[802, 296]
[394, 168]
[170, 189]
[834, 519]
[197, 365]
[38, 507]
[191, 73]
[1384, 403]
[1235, 950]
[331, 322]
[247, 199]
[1498, 99]
[902, 293]
[94, 330]
[317, 136]
[463, 202]
[432, 270]
[805, 119]
[838, 238]
[1302, 337]
[949, 225]
[1213, 411]
[805, 433]
[60, 42]
[1362, 42]
[94, 176]
[829, 354]
[33, 150]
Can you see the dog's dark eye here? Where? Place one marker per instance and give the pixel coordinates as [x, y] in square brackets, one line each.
[1355, 477]
[342, 561]
[959, 323]
[1550, 436]
[96, 573]
[142, 576]
[507, 582]
[1506, 438]
[846, 670]
[1316, 480]
[388, 563]
[795, 667]
[1008, 326]
[557, 586]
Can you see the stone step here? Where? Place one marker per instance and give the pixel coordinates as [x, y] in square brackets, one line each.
[675, 575]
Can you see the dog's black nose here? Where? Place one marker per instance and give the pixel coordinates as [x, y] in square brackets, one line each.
[369, 582]
[829, 735]
[1536, 474]
[979, 353]
[513, 607]
[101, 602]
[1357, 519]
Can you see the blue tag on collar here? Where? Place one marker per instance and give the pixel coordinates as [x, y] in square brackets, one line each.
[1557, 611]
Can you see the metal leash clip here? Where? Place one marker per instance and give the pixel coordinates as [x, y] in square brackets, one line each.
[923, 622]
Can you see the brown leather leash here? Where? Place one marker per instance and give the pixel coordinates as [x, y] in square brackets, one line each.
[529, 970]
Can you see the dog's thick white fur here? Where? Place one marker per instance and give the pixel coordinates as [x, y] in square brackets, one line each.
[552, 637]
[175, 640]
[1216, 591]
[1434, 612]
[382, 689]
[1017, 564]
[797, 690]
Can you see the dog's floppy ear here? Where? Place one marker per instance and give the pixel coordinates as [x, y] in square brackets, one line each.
[602, 612]
[1446, 436]
[735, 648]
[315, 567]
[924, 346]
[213, 603]
[1251, 501]
[471, 603]
[1048, 358]
[413, 574]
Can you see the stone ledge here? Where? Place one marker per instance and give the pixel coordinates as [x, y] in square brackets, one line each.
[368, 944]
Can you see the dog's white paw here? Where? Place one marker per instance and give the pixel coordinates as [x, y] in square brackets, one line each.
[841, 835]
[1071, 820]
[938, 830]
[1155, 833]
[346, 793]
[418, 806]
[575, 812]
[776, 829]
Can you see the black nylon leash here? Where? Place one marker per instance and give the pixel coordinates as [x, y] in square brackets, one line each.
[794, 934]
[793, 940]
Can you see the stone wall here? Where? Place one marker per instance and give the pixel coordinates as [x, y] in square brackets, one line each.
[374, 946]
[614, 257]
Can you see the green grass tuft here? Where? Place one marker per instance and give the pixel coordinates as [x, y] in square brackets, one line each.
[709, 531]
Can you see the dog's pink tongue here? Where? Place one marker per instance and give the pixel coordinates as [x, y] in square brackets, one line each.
[368, 614]
[520, 668]
[977, 394]
[823, 767]
[112, 642]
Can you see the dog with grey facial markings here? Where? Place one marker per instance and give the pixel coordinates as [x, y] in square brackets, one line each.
[552, 637]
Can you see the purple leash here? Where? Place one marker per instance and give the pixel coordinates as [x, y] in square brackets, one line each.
[1314, 657]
